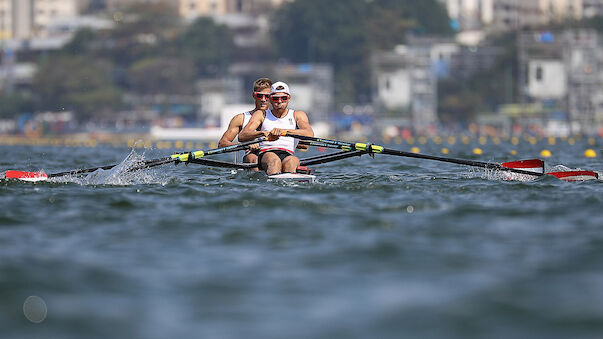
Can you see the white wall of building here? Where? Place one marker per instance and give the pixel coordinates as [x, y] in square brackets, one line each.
[393, 88]
[547, 79]
[26, 19]
[45, 12]
[301, 96]
[443, 51]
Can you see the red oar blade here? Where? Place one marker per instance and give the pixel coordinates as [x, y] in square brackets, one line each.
[530, 165]
[26, 176]
[575, 175]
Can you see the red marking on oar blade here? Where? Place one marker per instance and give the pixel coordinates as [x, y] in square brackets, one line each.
[531, 165]
[575, 175]
[29, 176]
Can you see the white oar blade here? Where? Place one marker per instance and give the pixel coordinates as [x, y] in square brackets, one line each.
[575, 175]
[530, 165]
[26, 176]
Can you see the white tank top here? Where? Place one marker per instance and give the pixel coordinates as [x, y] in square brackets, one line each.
[246, 118]
[283, 143]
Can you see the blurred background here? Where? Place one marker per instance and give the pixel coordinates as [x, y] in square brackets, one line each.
[107, 70]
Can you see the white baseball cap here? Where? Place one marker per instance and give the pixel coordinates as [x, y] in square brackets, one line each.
[279, 87]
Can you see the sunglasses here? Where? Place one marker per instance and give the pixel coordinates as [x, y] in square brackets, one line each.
[261, 96]
[279, 98]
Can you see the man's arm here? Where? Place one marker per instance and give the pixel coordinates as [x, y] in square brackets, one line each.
[234, 127]
[250, 131]
[303, 127]
[303, 124]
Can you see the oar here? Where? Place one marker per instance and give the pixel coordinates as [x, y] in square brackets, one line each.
[174, 158]
[531, 167]
[324, 158]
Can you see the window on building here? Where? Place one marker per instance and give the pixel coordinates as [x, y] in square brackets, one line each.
[539, 73]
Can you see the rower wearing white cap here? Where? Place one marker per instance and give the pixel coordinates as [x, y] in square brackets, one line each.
[277, 154]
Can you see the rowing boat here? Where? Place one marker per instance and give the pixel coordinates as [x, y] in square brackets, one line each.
[531, 168]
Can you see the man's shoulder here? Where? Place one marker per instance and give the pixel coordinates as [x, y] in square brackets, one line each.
[238, 118]
[259, 112]
[298, 113]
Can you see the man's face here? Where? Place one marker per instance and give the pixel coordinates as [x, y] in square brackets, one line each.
[279, 100]
[262, 99]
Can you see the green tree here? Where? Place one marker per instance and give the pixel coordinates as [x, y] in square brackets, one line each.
[389, 21]
[208, 45]
[345, 33]
[141, 30]
[76, 83]
[14, 104]
[457, 103]
[307, 31]
[162, 75]
[463, 100]
[82, 42]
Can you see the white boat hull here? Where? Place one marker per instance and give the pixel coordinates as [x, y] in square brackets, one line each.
[293, 177]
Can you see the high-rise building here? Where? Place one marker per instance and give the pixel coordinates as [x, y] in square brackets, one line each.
[16, 19]
[24, 19]
[190, 9]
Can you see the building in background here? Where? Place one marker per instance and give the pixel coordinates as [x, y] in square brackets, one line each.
[16, 19]
[503, 15]
[191, 9]
[591, 8]
[562, 73]
[311, 88]
[247, 19]
[474, 59]
[214, 94]
[405, 80]
[26, 19]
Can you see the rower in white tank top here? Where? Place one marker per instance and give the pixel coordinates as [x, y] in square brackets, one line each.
[246, 117]
[287, 144]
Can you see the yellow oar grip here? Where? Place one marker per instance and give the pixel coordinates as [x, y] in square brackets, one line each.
[184, 156]
[363, 147]
[181, 157]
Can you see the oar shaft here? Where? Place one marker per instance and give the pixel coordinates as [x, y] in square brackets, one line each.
[318, 144]
[380, 149]
[473, 163]
[330, 157]
[165, 160]
[232, 148]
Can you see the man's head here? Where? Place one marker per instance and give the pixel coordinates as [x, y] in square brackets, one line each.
[279, 94]
[261, 93]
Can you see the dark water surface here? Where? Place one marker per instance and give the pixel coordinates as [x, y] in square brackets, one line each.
[378, 248]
